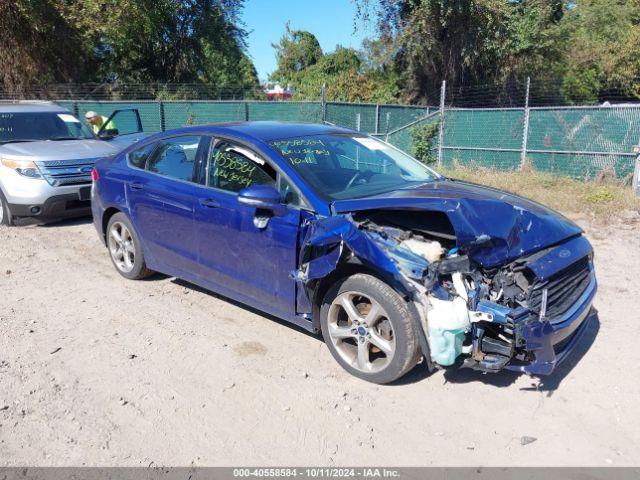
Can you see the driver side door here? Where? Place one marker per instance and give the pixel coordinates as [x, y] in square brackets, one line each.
[126, 127]
[245, 258]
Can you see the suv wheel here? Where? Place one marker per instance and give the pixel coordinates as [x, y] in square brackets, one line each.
[125, 249]
[5, 214]
[369, 329]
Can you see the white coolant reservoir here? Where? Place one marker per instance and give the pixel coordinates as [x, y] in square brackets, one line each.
[447, 321]
[432, 251]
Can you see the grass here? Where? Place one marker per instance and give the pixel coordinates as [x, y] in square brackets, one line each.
[604, 200]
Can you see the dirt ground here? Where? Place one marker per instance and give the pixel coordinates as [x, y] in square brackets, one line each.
[98, 370]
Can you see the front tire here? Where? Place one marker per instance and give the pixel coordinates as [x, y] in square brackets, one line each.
[125, 249]
[6, 218]
[369, 329]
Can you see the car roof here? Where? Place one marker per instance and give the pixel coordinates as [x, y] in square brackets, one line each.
[268, 131]
[17, 107]
[265, 131]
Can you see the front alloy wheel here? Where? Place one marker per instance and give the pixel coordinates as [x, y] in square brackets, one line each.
[360, 331]
[369, 329]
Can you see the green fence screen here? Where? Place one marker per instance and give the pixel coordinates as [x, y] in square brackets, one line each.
[576, 141]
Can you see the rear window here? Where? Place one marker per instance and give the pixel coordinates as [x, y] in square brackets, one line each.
[138, 158]
[175, 157]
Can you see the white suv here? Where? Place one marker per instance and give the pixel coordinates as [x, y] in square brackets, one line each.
[46, 159]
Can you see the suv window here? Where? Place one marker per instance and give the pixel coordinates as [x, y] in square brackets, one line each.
[233, 168]
[36, 126]
[175, 157]
[138, 157]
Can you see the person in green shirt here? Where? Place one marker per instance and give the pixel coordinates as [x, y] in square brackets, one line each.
[96, 121]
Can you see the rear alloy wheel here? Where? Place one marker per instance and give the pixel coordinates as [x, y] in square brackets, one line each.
[5, 214]
[124, 248]
[369, 329]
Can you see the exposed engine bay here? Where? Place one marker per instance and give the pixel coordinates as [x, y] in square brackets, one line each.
[454, 287]
[467, 311]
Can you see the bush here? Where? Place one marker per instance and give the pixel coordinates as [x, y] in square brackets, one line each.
[600, 195]
[423, 139]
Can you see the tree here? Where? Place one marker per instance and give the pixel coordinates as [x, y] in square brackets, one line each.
[296, 51]
[467, 41]
[302, 64]
[170, 41]
[39, 45]
[139, 41]
[573, 51]
[602, 50]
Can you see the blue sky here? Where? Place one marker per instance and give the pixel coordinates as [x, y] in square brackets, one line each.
[331, 21]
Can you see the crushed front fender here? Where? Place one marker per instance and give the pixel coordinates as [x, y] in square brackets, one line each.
[330, 240]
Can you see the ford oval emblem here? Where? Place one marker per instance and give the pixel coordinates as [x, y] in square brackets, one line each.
[86, 169]
[564, 253]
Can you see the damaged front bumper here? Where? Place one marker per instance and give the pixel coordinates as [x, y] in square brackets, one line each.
[550, 341]
[491, 318]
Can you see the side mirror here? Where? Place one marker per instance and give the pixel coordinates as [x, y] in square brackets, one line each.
[264, 197]
[109, 133]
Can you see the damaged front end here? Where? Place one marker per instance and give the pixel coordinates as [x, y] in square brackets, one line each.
[525, 315]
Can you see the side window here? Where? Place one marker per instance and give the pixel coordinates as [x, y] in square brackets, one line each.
[288, 193]
[233, 168]
[138, 157]
[125, 122]
[175, 157]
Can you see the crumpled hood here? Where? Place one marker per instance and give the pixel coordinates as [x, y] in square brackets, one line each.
[58, 150]
[493, 227]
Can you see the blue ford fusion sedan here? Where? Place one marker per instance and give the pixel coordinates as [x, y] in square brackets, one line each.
[343, 234]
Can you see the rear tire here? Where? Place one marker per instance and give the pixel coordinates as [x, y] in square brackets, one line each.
[369, 329]
[125, 249]
[6, 218]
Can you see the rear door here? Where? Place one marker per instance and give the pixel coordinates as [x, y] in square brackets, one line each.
[161, 198]
[249, 259]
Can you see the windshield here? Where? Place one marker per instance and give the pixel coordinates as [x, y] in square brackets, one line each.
[339, 167]
[35, 126]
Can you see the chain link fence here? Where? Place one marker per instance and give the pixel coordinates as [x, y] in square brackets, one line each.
[580, 142]
[159, 116]
[576, 141]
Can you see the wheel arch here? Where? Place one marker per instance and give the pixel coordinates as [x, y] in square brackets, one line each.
[106, 216]
[343, 271]
[354, 266]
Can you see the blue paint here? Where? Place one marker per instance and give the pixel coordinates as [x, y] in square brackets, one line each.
[499, 312]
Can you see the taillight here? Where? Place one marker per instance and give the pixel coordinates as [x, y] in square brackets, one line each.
[94, 175]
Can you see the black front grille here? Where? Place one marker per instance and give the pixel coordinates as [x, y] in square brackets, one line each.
[563, 289]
